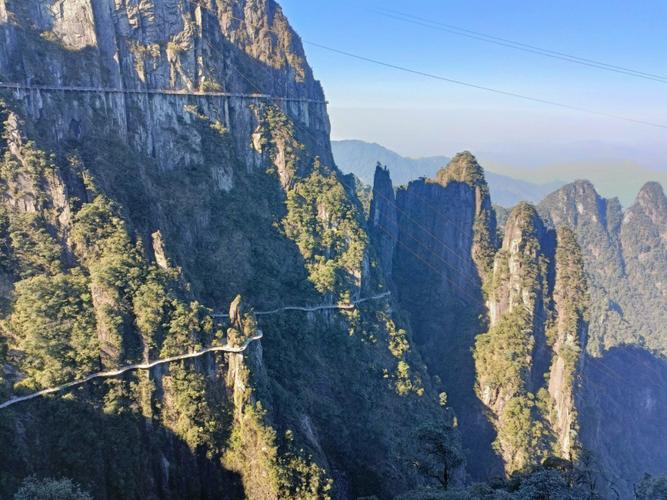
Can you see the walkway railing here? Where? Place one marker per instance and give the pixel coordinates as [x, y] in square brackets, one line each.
[153, 364]
[170, 92]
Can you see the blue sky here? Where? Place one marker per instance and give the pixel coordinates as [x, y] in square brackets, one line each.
[417, 116]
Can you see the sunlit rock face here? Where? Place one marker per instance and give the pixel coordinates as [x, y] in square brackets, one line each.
[235, 47]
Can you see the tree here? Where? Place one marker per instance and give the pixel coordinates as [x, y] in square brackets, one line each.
[50, 489]
[652, 488]
[440, 456]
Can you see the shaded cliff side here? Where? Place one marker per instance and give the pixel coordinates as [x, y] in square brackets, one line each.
[521, 307]
[438, 237]
[623, 417]
[624, 255]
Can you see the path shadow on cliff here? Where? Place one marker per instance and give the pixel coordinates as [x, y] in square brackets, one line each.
[109, 455]
[623, 412]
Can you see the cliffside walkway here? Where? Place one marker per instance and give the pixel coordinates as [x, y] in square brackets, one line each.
[345, 307]
[153, 364]
[170, 92]
[128, 368]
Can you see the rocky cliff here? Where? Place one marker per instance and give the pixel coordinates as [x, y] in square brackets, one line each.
[624, 257]
[528, 363]
[128, 215]
[440, 236]
[516, 396]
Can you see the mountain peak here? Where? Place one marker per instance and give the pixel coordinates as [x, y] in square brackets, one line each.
[462, 168]
[652, 201]
[581, 187]
[652, 192]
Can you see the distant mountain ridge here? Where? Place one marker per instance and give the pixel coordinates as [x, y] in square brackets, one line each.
[360, 158]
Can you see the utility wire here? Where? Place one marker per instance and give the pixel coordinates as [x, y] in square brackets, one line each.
[476, 35]
[472, 85]
[482, 87]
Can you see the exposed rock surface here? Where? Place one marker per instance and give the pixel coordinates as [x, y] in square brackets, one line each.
[456, 282]
[528, 363]
[443, 241]
[625, 257]
[625, 254]
[383, 222]
[240, 47]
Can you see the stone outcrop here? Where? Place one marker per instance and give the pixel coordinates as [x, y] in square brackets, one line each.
[440, 235]
[199, 198]
[625, 257]
[624, 253]
[238, 47]
[538, 317]
[383, 220]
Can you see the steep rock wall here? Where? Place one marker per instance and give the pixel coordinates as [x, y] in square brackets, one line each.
[624, 255]
[440, 236]
[528, 363]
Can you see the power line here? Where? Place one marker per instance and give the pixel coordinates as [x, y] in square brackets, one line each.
[482, 87]
[473, 85]
[476, 35]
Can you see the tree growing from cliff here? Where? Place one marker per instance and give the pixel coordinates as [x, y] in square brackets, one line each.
[651, 488]
[440, 455]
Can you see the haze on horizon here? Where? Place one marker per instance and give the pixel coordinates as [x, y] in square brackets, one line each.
[419, 117]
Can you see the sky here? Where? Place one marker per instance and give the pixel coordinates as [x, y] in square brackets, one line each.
[416, 116]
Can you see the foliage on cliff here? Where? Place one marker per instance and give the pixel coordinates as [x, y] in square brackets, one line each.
[325, 225]
[527, 362]
[624, 253]
[86, 296]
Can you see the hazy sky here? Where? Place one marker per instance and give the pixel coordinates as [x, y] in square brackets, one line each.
[419, 117]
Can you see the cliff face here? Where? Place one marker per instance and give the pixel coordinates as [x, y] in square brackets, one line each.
[623, 417]
[624, 253]
[537, 309]
[237, 47]
[383, 221]
[440, 237]
[625, 261]
[138, 214]
[514, 388]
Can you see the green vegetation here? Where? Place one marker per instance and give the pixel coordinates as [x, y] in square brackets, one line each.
[534, 413]
[53, 325]
[503, 358]
[33, 249]
[86, 293]
[441, 454]
[503, 355]
[50, 489]
[223, 200]
[253, 447]
[324, 223]
[321, 218]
